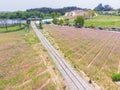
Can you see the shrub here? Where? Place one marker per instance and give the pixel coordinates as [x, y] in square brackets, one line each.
[92, 25]
[79, 21]
[67, 22]
[61, 22]
[55, 20]
[48, 22]
[116, 77]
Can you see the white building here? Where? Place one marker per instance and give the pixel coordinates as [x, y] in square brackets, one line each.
[45, 21]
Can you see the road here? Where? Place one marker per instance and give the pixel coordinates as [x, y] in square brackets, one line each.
[73, 79]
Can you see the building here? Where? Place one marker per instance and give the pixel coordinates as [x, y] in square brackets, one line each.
[75, 13]
[44, 21]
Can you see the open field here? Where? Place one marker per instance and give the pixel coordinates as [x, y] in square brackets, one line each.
[11, 28]
[102, 21]
[95, 52]
[25, 64]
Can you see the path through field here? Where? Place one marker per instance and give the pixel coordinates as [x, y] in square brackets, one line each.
[73, 79]
[95, 52]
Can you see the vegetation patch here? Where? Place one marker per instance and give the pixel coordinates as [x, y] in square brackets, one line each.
[93, 51]
[31, 38]
[68, 52]
[116, 77]
[22, 64]
[104, 21]
[12, 28]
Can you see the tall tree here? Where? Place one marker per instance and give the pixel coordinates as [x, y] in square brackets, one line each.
[61, 21]
[79, 21]
[55, 20]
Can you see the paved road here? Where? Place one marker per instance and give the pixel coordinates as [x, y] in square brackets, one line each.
[74, 81]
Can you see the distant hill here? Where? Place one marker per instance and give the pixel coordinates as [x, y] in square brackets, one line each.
[60, 10]
[4, 11]
[100, 7]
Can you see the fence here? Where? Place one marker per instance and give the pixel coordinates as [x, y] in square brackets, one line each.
[11, 25]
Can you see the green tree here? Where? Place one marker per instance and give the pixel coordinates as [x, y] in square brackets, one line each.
[79, 21]
[61, 21]
[53, 15]
[55, 20]
[67, 22]
[58, 14]
[119, 10]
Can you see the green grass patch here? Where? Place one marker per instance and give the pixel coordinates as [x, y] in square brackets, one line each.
[3, 84]
[11, 81]
[35, 69]
[16, 79]
[69, 52]
[104, 21]
[12, 28]
[116, 77]
[31, 38]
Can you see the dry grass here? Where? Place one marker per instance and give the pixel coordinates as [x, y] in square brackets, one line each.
[95, 52]
[24, 64]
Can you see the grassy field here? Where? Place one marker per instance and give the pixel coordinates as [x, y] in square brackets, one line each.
[95, 52]
[11, 28]
[102, 21]
[25, 64]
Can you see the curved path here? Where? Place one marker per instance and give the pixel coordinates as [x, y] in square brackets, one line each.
[74, 81]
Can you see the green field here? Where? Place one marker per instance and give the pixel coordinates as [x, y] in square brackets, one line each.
[12, 28]
[25, 64]
[104, 21]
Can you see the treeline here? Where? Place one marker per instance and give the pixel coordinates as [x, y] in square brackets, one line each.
[113, 13]
[59, 10]
[37, 12]
[106, 10]
[23, 15]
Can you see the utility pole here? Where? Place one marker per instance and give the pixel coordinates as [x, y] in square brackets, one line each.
[28, 24]
[5, 23]
[40, 24]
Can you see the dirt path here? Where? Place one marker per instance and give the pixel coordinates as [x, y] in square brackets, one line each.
[101, 49]
[112, 49]
[91, 49]
[54, 77]
[28, 81]
[45, 84]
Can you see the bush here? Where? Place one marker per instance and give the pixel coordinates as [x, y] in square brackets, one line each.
[48, 22]
[79, 21]
[92, 25]
[116, 77]
[67, 22]
[61, 22]
[55, 20]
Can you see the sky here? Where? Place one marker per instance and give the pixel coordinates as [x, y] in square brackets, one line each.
[14, 5]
